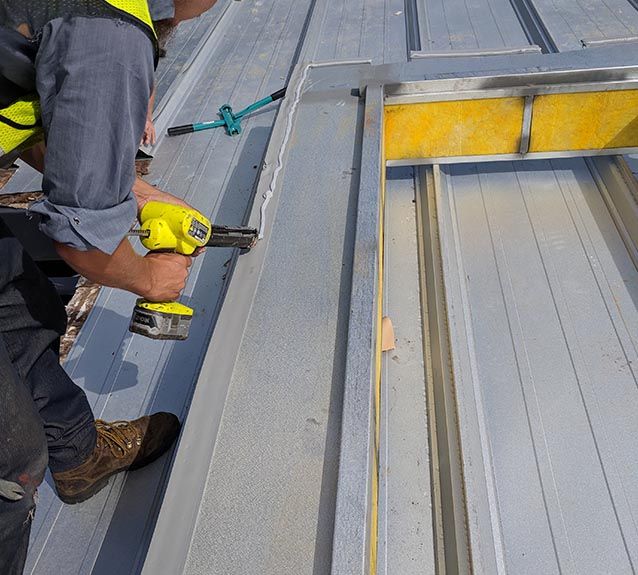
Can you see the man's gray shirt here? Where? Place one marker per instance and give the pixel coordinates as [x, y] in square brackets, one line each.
[94, 78]
[37, 13]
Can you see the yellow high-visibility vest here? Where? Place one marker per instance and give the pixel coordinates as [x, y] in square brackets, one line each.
[136, 8]
[20, 123]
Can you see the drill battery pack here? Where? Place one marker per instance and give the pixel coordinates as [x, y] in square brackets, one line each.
[169, 320]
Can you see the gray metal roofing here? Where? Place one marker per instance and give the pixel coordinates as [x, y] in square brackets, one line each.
[542, 330]
[268, 484]
[247, 52]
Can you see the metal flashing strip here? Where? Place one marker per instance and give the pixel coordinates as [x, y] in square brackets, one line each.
[512, 83]
[478, 159]
[176, 552]
[531, 49]
[593, 43]
[354, 540]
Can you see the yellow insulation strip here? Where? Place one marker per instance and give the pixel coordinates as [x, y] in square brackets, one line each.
[585, 121]
[378, 354]
[459, 128]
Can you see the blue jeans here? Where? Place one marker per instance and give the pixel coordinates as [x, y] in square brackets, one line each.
[45, 419]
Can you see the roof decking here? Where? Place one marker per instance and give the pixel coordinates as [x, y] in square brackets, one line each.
[260, 449]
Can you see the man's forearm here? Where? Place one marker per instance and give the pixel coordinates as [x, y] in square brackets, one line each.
[123, 269]
[156, 276]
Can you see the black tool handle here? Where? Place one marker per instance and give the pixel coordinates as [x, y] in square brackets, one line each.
[180, 130]
[279, 94]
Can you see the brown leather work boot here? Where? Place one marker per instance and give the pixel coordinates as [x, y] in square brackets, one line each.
[120, 445]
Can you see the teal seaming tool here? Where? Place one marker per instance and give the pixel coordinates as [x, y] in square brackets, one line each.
[229, 120]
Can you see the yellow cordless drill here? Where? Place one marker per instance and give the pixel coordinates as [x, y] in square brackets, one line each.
[171, 228]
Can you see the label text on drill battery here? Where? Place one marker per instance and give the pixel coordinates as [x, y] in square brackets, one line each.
[144, 319]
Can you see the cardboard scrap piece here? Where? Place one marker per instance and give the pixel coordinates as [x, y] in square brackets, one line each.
[19, 200]
[143, 163]
[6, 174]
[77, 311]
[387, 334]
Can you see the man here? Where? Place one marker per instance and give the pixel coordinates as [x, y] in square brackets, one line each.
[91, 64]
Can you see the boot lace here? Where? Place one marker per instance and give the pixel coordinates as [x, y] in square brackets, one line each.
[118, 436]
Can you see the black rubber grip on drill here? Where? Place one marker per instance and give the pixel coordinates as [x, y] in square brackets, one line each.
[180, 130]
[279, 94]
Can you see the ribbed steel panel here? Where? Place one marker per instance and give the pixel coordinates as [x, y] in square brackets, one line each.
[263, 495]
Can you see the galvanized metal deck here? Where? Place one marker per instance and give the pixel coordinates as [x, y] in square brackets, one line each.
[542, 308]
[540, 284]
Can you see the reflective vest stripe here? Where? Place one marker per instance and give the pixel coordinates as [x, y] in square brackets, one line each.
[24, 112]
[20, 122]
[136, 8]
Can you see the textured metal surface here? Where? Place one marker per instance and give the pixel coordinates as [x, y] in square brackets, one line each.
[273, 472]
[542, 309]
[451, 25]
[527, 296]
[285, 380]
[356, 503]
[571, 22]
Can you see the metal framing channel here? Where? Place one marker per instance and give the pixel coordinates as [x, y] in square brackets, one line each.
[354, 540]
[413, 25]
[452, 548]
[417, 25]
[503, 85]
[527, 124]
[619, 190]
[533, 25]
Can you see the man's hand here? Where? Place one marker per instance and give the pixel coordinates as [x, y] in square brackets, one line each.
[156, 276]
[167, 275]
[149, 137]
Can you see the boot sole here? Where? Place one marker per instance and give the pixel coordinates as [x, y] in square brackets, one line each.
[102, 483]
[88, 493]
